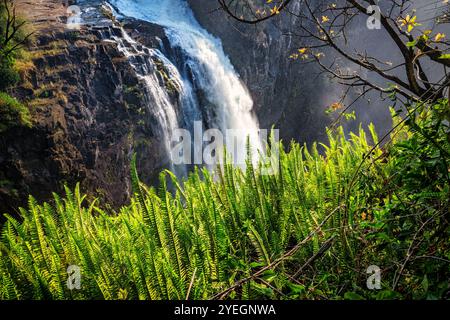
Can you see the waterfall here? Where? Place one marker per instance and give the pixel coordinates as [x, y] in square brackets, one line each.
[210, 69]
[143, 60]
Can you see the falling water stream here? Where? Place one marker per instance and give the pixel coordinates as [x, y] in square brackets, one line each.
[142, 59]
[210, 71]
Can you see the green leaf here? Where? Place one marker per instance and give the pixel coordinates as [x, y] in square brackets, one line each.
[388, 295]
[353, 296]
[257, 264]
[411, 44]
[269, 275]
[296, 288]
[425, 283]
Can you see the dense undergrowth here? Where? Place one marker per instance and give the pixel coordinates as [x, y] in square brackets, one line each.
[308, 232]
[13, 36]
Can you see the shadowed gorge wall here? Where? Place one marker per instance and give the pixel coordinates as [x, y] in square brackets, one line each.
[88, 118]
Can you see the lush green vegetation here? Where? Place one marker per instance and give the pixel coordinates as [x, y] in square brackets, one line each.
[310, 231]
[13, 35]
[8, 53]
[12, 113]
[8, 75]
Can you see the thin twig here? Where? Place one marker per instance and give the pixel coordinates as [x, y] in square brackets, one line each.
[275, 263]
[191, 284]
[327, 245]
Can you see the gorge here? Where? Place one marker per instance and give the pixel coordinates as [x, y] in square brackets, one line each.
[114, 116]
[170, 75]
[172, 63]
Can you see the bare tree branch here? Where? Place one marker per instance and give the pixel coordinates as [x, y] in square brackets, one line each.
[323, 25]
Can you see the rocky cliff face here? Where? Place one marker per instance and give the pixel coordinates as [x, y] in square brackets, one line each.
[89, 116]
[287, 94]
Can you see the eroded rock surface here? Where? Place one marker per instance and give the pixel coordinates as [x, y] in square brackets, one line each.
[88, 112]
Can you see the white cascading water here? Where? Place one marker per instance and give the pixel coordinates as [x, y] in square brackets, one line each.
[142, 59]
[211, 69]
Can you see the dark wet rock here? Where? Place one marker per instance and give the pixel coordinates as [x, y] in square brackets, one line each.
[88, 120]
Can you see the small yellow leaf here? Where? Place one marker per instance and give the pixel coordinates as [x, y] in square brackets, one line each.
[439, 37]
[274, 10]
[336, 106]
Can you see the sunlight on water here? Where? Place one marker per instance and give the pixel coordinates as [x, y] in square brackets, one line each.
[211, 68]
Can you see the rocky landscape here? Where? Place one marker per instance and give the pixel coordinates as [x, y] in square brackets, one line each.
[87, 111]
[87, 104]
[96, 99]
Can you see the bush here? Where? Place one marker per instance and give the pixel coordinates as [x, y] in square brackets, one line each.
[11, 49]
[310, 231]
[12, 113]
[8, 76]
